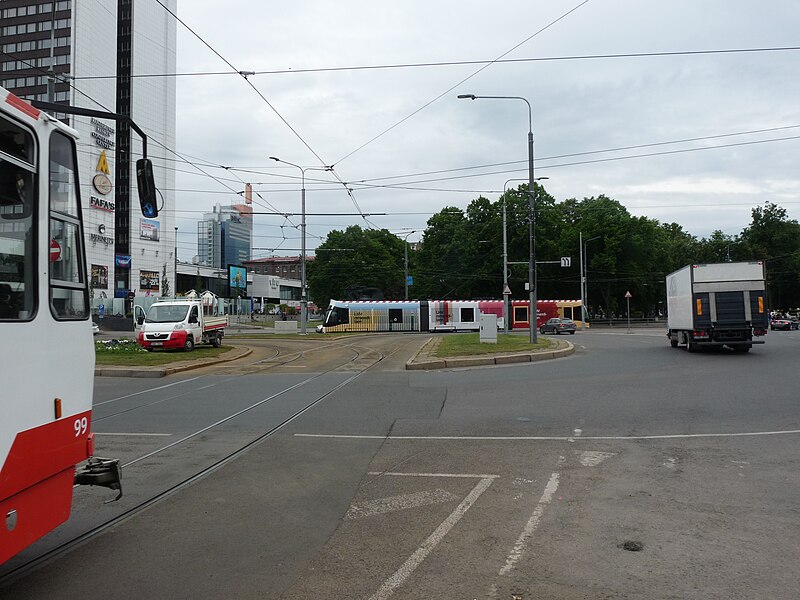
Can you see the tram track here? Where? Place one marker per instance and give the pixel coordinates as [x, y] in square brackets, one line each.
[64, 547]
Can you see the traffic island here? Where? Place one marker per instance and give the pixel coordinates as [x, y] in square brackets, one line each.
[425, 359]
[170, 368]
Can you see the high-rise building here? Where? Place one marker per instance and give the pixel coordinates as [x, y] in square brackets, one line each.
[224, 236]
[78, 52]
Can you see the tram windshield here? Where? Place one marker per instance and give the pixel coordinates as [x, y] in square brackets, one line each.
[337, 315]
[167, 313]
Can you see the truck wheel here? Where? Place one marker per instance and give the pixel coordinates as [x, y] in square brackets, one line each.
[691, 346]
[188, 345]
[216, 341]
[673, 341]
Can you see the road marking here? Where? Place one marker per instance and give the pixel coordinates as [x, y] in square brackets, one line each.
[147, 391]
[543, 438]
[592, 458]
[135, 434]
[401, 502]
[519, 548]
[460, 475]
[407, 568]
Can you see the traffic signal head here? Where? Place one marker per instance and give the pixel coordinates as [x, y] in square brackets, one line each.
[147, 188]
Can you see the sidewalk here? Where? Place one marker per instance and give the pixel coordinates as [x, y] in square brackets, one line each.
[425, 359]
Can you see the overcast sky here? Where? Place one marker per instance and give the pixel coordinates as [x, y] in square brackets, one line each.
[399, 138]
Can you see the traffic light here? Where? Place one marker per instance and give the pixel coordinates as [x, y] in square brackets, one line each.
[147, 188]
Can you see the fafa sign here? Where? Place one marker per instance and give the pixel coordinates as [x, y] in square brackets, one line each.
[101, 203]
[149, 229]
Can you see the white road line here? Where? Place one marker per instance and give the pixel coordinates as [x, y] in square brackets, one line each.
[543, 438]
[135, 434]
[462, 475]
[147, 391]
[404, 572]
[519, 548]
[401, 502]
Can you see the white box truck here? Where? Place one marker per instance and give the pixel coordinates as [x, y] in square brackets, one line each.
[719, 304]
[179, 324]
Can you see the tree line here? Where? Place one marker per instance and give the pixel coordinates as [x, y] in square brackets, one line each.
[460, 255]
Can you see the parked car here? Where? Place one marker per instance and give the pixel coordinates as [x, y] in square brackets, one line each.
[95, 328]
[557, 326]
[783, 324]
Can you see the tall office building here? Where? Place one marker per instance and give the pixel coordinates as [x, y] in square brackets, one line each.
[77, 52]
[224, 236]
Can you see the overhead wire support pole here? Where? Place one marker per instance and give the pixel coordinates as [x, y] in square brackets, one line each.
[303, 286]
[532, 314]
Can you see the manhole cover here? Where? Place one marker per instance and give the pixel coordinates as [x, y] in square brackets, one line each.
[632, 546]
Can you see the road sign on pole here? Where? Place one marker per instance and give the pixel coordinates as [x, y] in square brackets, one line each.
[566, 261]
[628, 297]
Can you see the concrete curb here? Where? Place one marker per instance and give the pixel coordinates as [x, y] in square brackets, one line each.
[424, 360]
[164, 370]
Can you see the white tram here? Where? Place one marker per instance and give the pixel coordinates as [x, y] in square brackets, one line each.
[438, 315]
[45, 330]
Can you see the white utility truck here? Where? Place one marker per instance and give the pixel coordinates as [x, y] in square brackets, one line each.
[180, 324]
[720, 304]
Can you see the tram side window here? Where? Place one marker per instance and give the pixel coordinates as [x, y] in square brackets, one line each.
[69, 298]
[17, 217]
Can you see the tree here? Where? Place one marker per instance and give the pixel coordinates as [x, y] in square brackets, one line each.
[353, 258]
[775, 238]
[164, 282]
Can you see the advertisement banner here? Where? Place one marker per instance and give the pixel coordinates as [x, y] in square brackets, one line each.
[149, 280]
[100, 277]
[149, 229]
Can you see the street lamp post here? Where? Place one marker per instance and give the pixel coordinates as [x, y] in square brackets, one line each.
[303, 291]
[506, 309]
[405, 248]
[175, 277]
[584, 274]
[531, 212]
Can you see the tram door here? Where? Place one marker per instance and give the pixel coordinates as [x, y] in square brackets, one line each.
[424, 317]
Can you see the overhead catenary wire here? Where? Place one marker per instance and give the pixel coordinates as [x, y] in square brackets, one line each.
[464, 80]
[457, 63]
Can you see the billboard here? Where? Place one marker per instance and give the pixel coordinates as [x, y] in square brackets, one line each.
[148, 280]
[149, 229]
[237, 278]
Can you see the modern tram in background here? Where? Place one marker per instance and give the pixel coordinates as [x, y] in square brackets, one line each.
[46, 340]
[439, 315]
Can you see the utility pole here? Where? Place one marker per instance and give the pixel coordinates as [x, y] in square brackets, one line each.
[122, 199]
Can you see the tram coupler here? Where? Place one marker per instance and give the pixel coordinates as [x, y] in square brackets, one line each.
[104, 472]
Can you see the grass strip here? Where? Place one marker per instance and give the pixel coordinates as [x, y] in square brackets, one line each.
[129, 354]
[469, 344]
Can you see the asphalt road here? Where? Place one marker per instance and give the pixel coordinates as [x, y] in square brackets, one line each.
[628, 470]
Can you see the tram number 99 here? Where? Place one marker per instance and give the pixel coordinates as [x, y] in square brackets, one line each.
[81, 425]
